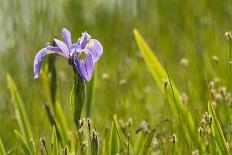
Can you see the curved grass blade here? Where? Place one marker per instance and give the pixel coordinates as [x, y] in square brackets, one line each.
[2, 148]
[159, 74]
[21, 115]
[54, 142]
[147, 142]
[23, 143]
[217, 131]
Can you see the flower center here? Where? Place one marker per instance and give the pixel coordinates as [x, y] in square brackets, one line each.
[82, 55]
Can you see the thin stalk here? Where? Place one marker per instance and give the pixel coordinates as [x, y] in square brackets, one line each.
[175, 103]
[230, 64]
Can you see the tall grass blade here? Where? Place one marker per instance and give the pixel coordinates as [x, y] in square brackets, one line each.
[21, 115]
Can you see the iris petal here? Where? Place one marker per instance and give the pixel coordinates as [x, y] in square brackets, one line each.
[85, 67]
[83, 40]
[62, 46]
[38, 61]
[67, 37]
[95, 47]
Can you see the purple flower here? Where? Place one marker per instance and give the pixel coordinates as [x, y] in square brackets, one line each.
[82, 54]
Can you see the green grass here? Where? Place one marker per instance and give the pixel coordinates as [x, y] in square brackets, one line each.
[131, 108]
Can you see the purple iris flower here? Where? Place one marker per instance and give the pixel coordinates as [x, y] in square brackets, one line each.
[82, 54]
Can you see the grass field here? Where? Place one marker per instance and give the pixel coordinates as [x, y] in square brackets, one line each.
[162, 86]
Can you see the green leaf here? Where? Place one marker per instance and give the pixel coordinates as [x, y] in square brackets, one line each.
[147, 142]
[89, 95]
[159, 74]
[21, 115]
[55, 113]
[217, 131]
[2, 148]
[52, 77]
[77, 98]
[23, 143]
[54, 142]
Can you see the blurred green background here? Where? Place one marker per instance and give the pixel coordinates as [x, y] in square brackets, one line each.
[174, 29]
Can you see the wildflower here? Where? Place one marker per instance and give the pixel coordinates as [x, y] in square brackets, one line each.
[184, 98]
[82, 55]
[184, 62]
[165, 83]
[173, 139]
[215, 59]
[105, 76]
[195, 152]
[122, 82]
[228, 35]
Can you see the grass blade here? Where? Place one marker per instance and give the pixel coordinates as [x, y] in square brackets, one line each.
[147, 142]
[54, 142]
[159, 74]
[94, 143]
[2, 148]
[20, 110]
[114, 140]
[217, 131]
[23, 143]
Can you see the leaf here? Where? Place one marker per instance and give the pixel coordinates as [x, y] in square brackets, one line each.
[54, 142]
[77, 98]
[217, 131]
[2, 148]
[159, 74]
[21, 115]
[89, 95]
[147, 142]
[52, 77]
[55, 113]
[23, 143]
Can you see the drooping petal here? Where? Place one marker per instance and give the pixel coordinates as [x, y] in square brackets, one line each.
[83, 40]
[95, 47]
[67, 37]
[62, 46]
[57, 50]
[53, 48]
[85, 67]
[38, 61]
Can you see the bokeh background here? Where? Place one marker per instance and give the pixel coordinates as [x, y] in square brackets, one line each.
[174, 29]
